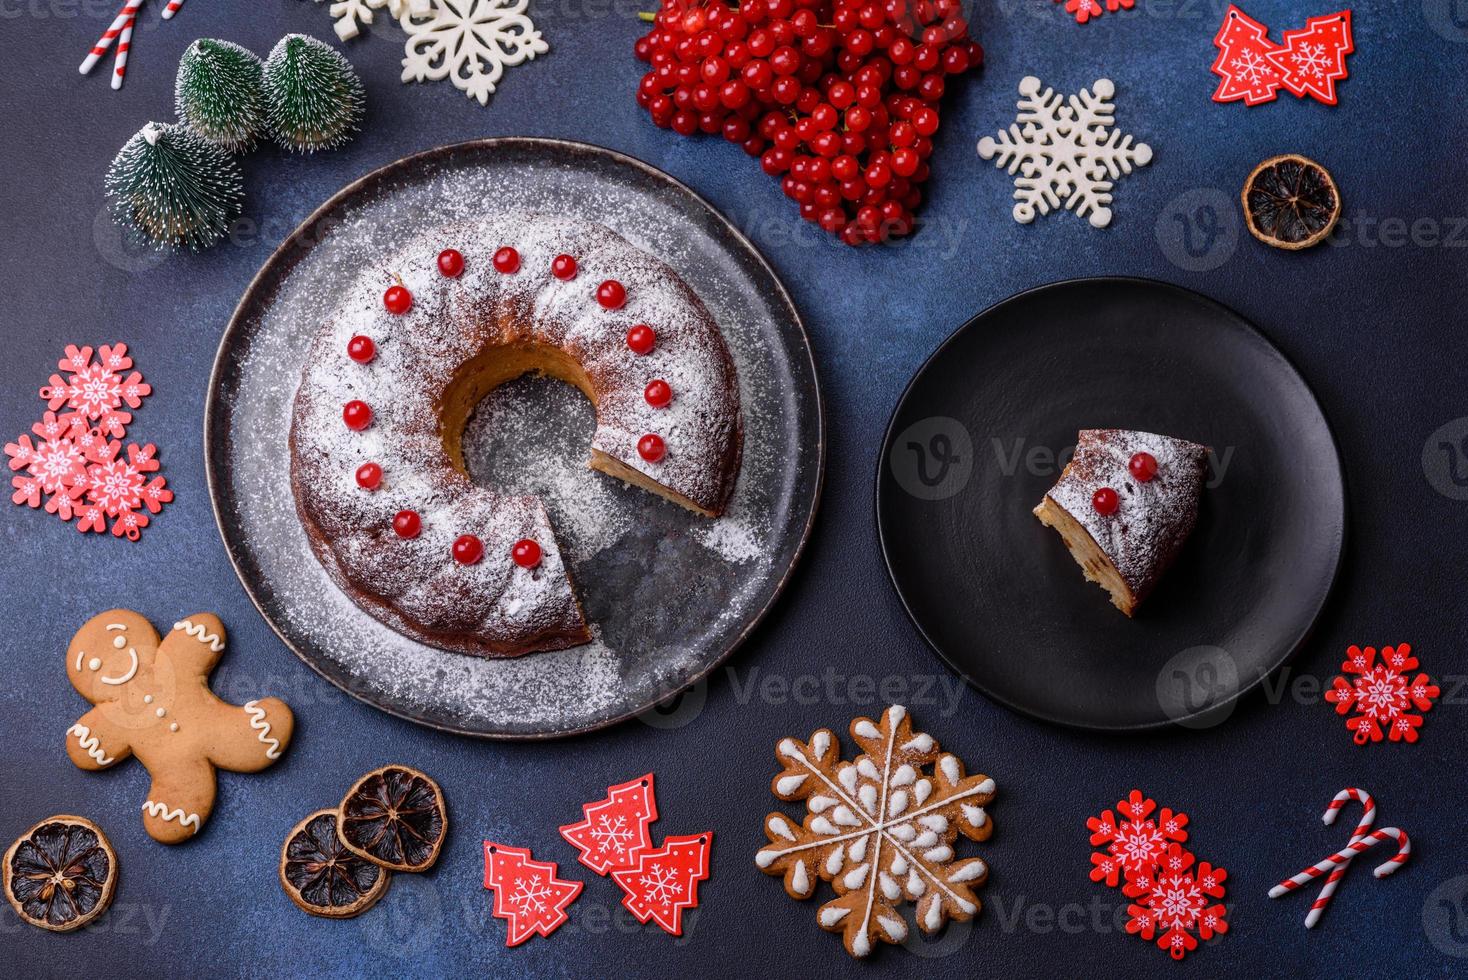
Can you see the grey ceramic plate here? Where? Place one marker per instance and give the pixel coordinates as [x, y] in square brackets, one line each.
[669, 594]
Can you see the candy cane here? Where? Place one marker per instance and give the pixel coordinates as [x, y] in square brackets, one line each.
[1347, 854]
[129, 10]
[172, 9]
[1368, 817]
[124, 44]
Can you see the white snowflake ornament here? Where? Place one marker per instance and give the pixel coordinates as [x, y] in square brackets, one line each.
[1064, 152]
[471, 42]
[352, 15]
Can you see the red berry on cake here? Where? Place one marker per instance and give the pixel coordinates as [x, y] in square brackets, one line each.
[651, 447]
[467, 549]
[507, 260]
[451, 262]
[563, 267]
[1143, 467]
[526, 553]
[361, 349]
[611, 294]
[657, 393]
[369, 476]
[641, 339]
[1105, 501]
[407, 523]
[357, 415]
[398, 300]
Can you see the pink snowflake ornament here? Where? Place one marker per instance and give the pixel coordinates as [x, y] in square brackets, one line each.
[96, 391]
[1388, 703]
[1175, 904]
[1084, 10]
[1135, 844]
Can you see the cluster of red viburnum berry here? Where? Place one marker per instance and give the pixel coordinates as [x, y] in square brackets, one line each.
[837, 97]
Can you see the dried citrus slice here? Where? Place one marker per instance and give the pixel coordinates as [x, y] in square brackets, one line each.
[1291, 202]
[61, 874]
[395, 817]
[322, 876]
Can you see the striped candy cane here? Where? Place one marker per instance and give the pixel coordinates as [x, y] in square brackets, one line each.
[1333, 881]
[1344, 857]
[124, 44]
[172, 9]
[128, 12]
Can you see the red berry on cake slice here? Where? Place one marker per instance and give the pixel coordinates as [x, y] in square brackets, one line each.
[1124, 506]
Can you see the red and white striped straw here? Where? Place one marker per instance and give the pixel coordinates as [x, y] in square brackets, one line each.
[1333, 881]
[1348, 853]
[172, 9]
[129, 10]
[124, 44]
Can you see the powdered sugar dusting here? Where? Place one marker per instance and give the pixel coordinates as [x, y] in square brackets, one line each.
[656, 623]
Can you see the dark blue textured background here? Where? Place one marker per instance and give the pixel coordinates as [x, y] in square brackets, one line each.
[1375, 326]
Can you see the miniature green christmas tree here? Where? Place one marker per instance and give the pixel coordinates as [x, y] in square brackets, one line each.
[174, 188]
[219, 95]
[313, 97]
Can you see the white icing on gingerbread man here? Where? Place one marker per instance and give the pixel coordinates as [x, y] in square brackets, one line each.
[152, 700]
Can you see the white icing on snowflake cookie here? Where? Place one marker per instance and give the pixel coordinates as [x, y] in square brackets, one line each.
[1064, 151]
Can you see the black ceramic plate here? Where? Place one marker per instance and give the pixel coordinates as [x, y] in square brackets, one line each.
[669, 594]
[984, 429]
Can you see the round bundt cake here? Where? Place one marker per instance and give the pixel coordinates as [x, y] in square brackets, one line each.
[376, 468]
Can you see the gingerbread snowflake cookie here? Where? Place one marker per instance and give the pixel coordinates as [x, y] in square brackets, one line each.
[152, 700]
[880, 828]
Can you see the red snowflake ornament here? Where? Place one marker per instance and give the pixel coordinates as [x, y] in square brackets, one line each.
[1176, 902]
[1387, 703]
[527, 893]
[1136, 844]
[1311, 60]
[96, 391]
[1084, 10]
[1244, 61]
[664, 882]
[614, 831]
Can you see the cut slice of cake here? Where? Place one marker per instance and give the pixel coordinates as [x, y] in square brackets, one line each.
[1124, 506]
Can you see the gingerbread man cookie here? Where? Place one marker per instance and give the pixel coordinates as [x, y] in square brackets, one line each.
[152, 700]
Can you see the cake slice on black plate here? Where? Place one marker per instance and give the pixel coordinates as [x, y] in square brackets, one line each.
[1124, 506]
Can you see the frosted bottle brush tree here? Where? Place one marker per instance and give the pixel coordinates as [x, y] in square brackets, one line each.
[171, 187]
[218, 94]
[314, 99]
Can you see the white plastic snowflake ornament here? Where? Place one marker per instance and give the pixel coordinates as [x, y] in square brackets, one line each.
[471, 42]
[1064, 152]
[880, 829]
[352, 15]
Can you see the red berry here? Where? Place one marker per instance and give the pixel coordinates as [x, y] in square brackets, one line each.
[611, 294]
[407, 523]
[451, 262]
[467, 549]
[657, 393]
[641, 339]
[526, 553]
[397, 299]
[361, 349]
[1143, 467]
[369, 476]
[563, 267]
[507, 260]
[651, 447]
[1105, 501]
[357, 415]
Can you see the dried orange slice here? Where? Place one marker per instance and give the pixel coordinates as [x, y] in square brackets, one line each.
[395, 817]
[322, 876]
[1291, 202]
[61, 873]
